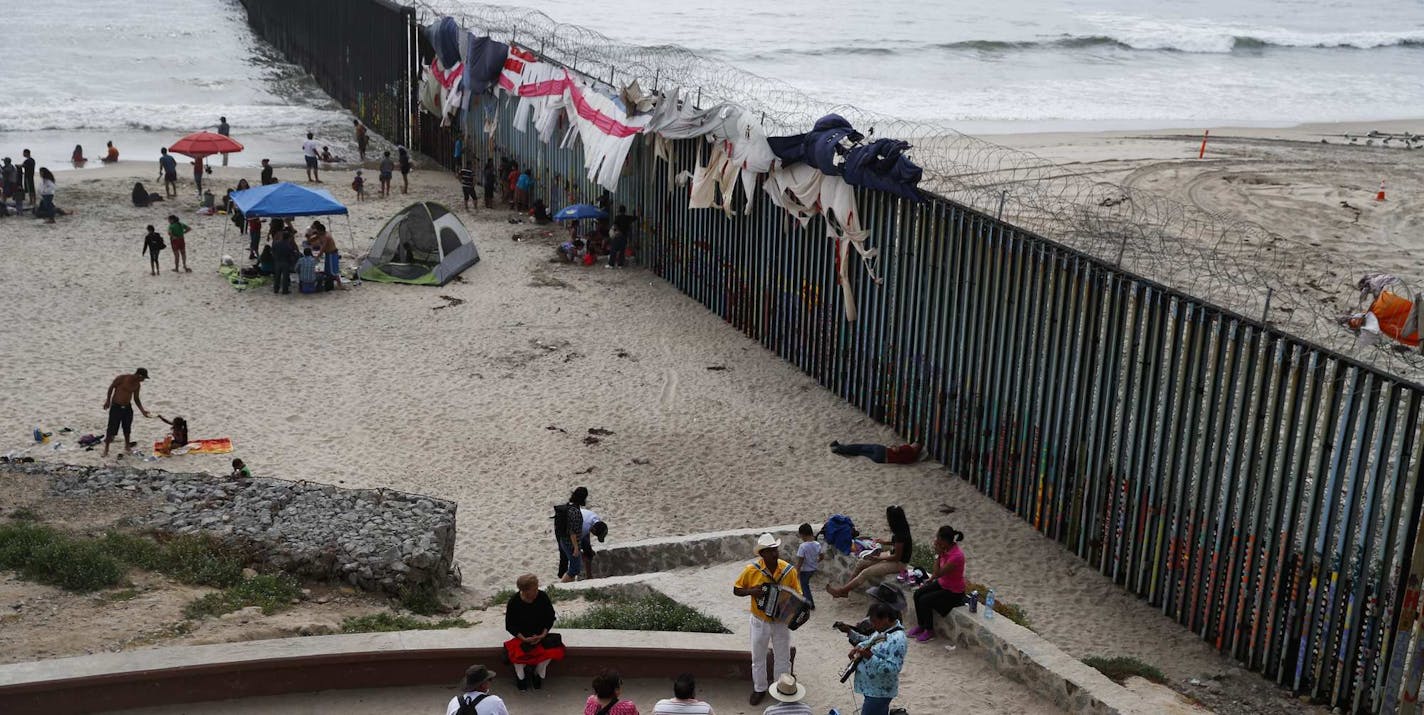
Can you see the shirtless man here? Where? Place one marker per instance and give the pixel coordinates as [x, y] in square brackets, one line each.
[122, 390]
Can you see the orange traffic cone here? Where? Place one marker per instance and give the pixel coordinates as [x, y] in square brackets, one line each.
[1380, 195]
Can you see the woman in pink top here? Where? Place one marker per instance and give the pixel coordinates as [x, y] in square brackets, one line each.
[607, 686]
[946, 590]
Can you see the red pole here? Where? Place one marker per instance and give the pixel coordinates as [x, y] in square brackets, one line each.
[1202, 153]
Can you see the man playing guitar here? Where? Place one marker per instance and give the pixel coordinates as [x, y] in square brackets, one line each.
[877, 659]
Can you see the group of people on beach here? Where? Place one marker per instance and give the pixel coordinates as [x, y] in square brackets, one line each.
[18, 184]
[781, 600]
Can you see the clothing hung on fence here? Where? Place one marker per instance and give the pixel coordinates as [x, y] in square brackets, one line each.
[803, 191]
[598, 120]
[835, 147]
[484, 60]
[742, 138]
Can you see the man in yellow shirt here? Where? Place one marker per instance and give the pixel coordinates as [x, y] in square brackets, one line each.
[755, 581]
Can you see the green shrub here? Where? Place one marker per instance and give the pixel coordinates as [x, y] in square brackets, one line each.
[1120, 668]
[423, 599]
[271, 593]
[45, 555]
[386, 622]
[653, 612]
[201, 560]
[134, 550]
[74, 566]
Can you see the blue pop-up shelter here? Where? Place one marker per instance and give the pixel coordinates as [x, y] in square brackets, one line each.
[287, 200]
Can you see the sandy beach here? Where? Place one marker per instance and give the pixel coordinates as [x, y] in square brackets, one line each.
[488, 403]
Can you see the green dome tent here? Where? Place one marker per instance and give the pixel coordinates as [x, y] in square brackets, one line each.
[424, 244]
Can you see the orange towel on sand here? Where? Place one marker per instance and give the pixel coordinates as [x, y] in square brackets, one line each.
[196, 446]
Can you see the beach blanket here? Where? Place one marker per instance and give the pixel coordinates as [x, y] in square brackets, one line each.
[194, 446]
[233, 274]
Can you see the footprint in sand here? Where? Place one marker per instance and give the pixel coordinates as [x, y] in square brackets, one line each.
[669, 392]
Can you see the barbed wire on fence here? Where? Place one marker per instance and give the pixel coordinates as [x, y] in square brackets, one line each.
[1225, 260]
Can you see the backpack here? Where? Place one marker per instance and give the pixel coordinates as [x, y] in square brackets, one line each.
[468, 707]
[839, 530]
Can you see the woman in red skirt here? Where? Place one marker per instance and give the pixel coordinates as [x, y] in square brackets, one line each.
[528, 618]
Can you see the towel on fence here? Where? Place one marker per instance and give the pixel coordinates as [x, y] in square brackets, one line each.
[194, 446]
[484, 61]
[803, 191]
[601, 121]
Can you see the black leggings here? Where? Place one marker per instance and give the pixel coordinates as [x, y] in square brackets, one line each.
[931, 598]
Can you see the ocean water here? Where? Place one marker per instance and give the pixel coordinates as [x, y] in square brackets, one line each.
[143, 74]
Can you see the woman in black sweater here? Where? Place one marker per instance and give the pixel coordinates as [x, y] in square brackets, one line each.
[528, 617]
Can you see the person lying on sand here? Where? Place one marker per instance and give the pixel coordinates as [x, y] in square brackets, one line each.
[879, 453]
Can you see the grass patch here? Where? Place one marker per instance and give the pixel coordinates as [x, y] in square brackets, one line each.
[201, 560]
[269, 592]
[1012, 611]
[42, 554]
[653, 612]
[126, 594]
[385, 622]
[423, 599]
[24, 513]
[1120, 668]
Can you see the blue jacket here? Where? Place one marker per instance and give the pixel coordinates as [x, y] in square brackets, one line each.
[879, 675]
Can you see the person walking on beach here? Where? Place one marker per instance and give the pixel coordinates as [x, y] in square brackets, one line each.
[311, 151]
[177, 233]
[403, 155]
[467, 185]
[168, 173]
[568, 530]
[10, 187]
[224, 130]
[27, 168]
[267, 177]
[198, 174]
[387, 168]
[46, 208]
[476, 698]
[808, 558]
[122, 391]
[362, 139]
[757, 581]
[153, 245]
[945, 590]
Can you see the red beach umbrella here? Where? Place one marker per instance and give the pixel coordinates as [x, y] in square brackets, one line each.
[201, 144]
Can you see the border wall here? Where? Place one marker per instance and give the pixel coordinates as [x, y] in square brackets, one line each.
[1259, 489]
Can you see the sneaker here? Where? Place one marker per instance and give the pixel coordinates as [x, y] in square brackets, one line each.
[536, 681]
[756, 697]
[522, 684]
[925, 636]
[915, 631]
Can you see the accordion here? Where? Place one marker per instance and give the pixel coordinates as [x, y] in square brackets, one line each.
[784, 605]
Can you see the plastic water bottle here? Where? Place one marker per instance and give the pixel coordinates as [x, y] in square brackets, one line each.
[974, 601]
[989, 604]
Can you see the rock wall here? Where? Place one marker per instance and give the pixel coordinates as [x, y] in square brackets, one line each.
[377, 540]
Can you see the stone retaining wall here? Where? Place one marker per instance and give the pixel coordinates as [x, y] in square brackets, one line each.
[378, 540]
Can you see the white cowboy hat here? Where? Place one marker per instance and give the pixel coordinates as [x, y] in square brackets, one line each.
[767, 541]
[787, 690]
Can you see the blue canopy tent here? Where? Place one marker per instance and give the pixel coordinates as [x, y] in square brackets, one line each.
[287, 200]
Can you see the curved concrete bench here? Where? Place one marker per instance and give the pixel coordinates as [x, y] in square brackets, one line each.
[186, 674]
